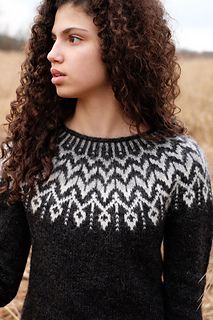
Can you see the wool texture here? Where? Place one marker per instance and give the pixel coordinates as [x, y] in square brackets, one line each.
[96, 227]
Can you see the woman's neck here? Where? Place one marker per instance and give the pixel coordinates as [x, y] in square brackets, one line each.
[97, 117]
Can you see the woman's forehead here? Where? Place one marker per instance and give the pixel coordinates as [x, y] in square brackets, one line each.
[69, 16]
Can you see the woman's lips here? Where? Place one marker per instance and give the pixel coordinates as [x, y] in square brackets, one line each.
[56, 73]
[57, 80]
[58, 76]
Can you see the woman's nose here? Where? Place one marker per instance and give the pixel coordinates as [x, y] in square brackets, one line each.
[54, 55]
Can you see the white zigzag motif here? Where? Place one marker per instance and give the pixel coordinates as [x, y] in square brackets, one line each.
[121, 184]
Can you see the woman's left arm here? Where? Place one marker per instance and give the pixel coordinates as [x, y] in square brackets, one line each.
[188, 233]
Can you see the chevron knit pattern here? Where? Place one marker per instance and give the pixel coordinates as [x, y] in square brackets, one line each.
[120, 182]
[96, 227]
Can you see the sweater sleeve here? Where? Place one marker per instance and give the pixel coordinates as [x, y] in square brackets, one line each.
[188, 232]
[14, 248]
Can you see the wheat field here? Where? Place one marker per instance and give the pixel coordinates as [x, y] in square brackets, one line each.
[196, 103]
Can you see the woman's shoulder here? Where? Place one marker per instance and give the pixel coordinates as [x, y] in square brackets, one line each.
[187, 154]
[182, 152]
[182, 145]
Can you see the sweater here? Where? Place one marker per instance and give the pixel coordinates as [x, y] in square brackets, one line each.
[96, 227]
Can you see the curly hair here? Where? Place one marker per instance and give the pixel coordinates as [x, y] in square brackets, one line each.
[140, 57]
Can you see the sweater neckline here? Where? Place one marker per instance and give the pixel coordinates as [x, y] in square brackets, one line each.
[100, 139]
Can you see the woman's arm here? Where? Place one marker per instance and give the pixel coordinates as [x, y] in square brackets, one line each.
[188, 239]
[15, 244]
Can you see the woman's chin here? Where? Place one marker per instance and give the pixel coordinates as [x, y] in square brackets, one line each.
[64, 94]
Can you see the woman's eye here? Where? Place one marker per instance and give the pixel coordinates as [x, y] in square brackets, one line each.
[73, 38]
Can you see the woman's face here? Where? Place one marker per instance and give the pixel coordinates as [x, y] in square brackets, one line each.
[76, 54]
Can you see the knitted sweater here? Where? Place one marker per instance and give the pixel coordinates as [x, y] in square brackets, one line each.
[96, 227]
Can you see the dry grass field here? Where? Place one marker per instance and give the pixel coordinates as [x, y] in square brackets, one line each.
[196, 102]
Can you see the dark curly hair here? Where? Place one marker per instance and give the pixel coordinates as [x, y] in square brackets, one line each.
[141, 62]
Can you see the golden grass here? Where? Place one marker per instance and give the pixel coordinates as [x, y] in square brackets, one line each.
[10, 71]
[196, 102]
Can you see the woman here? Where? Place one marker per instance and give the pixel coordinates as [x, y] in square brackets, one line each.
[94, 198]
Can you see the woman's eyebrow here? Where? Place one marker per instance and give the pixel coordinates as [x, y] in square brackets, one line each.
[67, 30]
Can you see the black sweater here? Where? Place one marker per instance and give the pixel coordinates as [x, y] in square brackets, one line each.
[96, 228]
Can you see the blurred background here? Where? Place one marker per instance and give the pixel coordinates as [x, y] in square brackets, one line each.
[192, 25]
